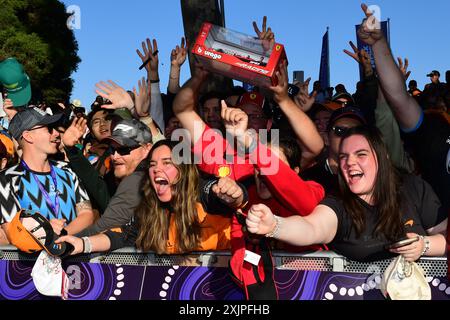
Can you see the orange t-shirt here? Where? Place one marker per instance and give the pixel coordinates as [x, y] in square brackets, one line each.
[215, 234]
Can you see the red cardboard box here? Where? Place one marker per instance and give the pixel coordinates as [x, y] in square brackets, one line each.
[238, 56]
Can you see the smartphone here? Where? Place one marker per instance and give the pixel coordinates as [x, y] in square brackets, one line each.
[401, 243]
[299, 76]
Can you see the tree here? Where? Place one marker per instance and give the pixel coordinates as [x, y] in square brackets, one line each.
[36, 34]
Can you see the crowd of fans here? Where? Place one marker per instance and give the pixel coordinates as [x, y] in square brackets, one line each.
[317, 170]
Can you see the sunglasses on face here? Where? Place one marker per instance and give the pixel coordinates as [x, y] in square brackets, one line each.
[49, 128]
[123, 151]
[339, 131]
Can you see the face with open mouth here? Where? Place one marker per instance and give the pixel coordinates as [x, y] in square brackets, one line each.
[163, 173]
[46, 138]
[359, 166]
[101, 127]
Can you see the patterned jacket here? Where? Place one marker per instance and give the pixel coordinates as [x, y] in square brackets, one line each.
[17, 184]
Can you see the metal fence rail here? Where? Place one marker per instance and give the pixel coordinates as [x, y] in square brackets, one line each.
[318, 261]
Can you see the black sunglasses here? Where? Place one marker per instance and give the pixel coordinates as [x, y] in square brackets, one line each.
[123, 151]
[50, 128]
[340, 131]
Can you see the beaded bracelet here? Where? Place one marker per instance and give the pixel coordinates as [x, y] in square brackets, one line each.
[427, 245]
[275, 230]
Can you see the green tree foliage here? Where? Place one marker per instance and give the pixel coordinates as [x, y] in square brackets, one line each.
[35, 32]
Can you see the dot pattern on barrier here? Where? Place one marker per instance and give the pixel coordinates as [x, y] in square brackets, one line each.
[374, 284]
[166, 285]
[119, 284]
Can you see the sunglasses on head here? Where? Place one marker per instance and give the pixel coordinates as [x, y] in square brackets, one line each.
[339, 131]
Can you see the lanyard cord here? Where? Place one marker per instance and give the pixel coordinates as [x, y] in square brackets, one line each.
[54, 206]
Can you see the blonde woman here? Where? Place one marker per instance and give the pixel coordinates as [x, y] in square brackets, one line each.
[179, 213]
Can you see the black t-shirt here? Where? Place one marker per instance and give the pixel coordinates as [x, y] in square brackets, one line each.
[322, 174]
[430, 145]
[421, 211]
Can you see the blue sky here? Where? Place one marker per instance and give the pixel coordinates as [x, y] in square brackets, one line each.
[111, 31]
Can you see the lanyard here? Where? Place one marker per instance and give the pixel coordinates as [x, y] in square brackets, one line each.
[54, 207]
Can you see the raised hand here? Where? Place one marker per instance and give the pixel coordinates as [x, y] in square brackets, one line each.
[142, 98]
[303, 99]
[362, 57]
[229, 191]
[370, 30]
[403, 66]
[74, 133]
[260, 220]
[266, 35]
[8, 107]
[179, 54]
[235, 120]
[114, 93]
[177, 58]
[280, 91]
[151, 52]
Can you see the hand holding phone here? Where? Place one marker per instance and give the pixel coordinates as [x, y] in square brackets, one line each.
[402, 242]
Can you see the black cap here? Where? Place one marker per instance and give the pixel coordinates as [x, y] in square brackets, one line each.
[347, 112]
[434, 73]
[129, 133]
[29, 118]
[343, 95]
[30, 231]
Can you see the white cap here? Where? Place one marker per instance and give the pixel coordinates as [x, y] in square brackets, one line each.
[77, 103]
[49, 277]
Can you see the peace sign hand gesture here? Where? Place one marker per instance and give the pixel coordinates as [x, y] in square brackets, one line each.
[179, 54]
[266, 35]
[362, 57]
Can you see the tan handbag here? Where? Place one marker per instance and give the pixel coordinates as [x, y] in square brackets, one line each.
[405, 280]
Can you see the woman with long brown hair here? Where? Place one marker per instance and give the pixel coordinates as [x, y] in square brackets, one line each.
[179, 212]
[377, 206]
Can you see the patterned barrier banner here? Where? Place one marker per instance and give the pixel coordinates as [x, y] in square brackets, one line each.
[91, 281]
